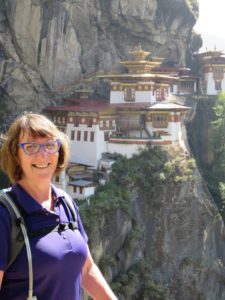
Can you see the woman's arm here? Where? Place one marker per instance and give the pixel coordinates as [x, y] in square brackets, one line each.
[94, 283]
[1, 277]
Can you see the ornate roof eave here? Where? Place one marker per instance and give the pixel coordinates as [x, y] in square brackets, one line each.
[168, 107]
[210, 53]
[184, 78]
[141, 62]
[219, 65]
[136, 76]
[214, 65]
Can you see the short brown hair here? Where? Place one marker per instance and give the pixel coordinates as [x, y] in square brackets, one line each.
[38, 126]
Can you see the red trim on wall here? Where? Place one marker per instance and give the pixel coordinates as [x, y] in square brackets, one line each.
[149, 142]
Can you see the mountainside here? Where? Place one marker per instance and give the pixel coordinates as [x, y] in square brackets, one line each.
[155, 230]
[49, 46]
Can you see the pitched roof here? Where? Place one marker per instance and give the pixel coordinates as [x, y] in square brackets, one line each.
[86, 105]
[168, 106]
[81, 183]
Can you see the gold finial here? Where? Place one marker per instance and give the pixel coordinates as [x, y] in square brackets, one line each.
[139, 54]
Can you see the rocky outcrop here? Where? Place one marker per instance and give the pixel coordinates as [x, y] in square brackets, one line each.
[199, 129]
[49, 46]
[181, 242]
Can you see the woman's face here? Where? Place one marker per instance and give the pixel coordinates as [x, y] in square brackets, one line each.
[39, 166]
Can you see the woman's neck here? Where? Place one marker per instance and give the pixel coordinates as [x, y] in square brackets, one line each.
[40, 192]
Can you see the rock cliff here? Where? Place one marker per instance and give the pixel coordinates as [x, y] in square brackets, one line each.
[170, 244]
[49, 46]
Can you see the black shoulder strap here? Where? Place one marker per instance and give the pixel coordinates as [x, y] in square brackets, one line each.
[16, 237]
[71, 206]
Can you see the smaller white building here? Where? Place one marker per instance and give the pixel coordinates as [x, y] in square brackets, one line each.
[81, 189]
[212, 72]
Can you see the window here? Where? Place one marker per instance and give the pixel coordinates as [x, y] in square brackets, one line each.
[76, 122]
[72, 135]
[106, 135]
[92, 136]
[218, 73]
[218, 85]
[85, 136]
[187, 84]
[89, 123]
[78, 135]
[129, 94]
[160, 121]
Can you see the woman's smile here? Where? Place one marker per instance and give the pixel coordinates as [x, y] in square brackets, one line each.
[41, 166]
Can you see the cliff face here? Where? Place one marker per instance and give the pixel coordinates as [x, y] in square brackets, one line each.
[199, 130]
[180, 241]
[48, 46]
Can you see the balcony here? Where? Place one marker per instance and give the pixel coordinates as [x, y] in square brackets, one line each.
[126, 137]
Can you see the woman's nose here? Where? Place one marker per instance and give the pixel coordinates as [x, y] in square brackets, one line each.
[42, 151]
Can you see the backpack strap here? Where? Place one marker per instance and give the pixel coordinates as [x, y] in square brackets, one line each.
[16, 237]
[72, 225]
[17, 218]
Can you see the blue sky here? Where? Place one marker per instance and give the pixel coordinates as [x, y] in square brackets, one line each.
[210, 24]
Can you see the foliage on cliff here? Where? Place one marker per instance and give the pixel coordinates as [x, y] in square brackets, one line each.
[150, 175]
[146, 173]
[217, 177]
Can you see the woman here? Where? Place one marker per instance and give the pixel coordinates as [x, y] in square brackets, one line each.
[33, 152]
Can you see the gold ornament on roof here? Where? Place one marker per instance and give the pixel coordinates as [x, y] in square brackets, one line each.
[139, 54]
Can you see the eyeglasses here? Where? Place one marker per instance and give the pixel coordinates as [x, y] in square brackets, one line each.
[50, 147]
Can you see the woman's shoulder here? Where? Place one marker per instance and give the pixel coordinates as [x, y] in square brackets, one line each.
[6, 211]
[61, 193]
[5, 217]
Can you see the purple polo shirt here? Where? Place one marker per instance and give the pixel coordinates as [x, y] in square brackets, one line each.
[57, 258]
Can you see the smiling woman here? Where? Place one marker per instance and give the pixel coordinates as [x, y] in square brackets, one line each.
[29, 128]
[33, 152]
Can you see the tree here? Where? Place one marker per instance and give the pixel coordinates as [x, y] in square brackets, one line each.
[219, 137]
[218, 143]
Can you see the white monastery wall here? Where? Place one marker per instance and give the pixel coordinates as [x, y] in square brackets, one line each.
[86, 192]
[175, 131]
[116, 97]
[140, 96]
[86, 152]
[175, 89]
[144, 96]
[210, 84]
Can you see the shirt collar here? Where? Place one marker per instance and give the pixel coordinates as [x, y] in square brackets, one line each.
[58, 193]
[27, 202]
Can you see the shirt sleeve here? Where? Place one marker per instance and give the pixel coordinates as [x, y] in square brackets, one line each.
[5, 232]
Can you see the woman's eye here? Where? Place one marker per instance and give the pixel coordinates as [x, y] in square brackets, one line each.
[31, 147]
[50, 146]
